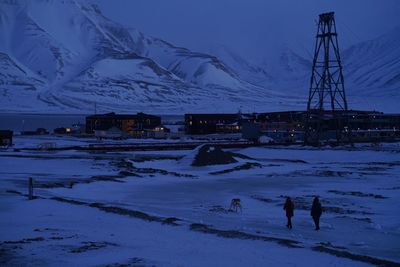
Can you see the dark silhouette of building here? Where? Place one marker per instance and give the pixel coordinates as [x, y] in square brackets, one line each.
[285, 120]
[42, 131]
[39, 131]
[132, 124]
[289, 126]
[62, 130]
[6, 138]
[215, 123]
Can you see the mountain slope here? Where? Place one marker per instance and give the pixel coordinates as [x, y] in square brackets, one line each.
[17, 82]
[66, 56]
[85, 58]
[371, 70]
[375, 65]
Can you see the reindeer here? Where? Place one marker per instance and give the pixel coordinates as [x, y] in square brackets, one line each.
[235, 205]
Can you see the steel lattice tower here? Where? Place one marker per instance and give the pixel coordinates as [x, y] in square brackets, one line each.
[327, 104]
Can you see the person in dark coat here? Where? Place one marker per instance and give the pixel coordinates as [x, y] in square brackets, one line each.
[289, 208]
[316, 212]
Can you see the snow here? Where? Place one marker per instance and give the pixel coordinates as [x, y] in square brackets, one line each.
[154, 244]
[358, 187]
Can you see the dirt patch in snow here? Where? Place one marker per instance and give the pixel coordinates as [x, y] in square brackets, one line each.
[22, 194]
[374, 169]
[365, 219]
[219, 209]
[144, 158]
[9, 252]
[128, 169]
[362, 258]
[246, 166]
[356, 194]
[120, 211]
[339, 210]
[264, 199]
[88, 246]
[212, 155]
[323, 173]
[242, 235]
[153, 171]
[134, 262]
[25, 241]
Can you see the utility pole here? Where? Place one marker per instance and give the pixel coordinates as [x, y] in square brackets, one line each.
[30, 188]
[327, 104]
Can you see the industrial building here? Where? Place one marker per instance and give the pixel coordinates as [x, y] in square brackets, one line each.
[359, 126]
[198, 124]
[131, 124]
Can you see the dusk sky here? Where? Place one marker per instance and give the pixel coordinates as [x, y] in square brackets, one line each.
[253, 28]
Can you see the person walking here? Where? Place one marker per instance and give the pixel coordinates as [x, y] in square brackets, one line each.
[316, 212]
[289, 208]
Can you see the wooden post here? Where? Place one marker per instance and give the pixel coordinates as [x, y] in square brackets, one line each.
[30, 196]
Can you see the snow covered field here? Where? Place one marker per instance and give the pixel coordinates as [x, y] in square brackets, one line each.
[155, 209]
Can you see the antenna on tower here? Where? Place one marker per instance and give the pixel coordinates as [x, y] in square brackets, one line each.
[327, 105]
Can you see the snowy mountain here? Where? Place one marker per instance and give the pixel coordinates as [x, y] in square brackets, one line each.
[58, 56]
[371, 71]
[375, 65]
[17, 82]
[247, 71]
[75, 57]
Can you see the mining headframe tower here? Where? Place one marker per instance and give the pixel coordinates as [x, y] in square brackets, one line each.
[327, 104]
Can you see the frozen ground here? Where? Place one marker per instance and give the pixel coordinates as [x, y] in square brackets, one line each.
[153, 208]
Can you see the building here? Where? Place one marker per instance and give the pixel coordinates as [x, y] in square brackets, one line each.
[133, 125]
[289, 126]
[281, 121]
[374, 126]
[62, 130]
[283, 127]
[6, 138]
[359, 126]
[159, 132]
[215, 123]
